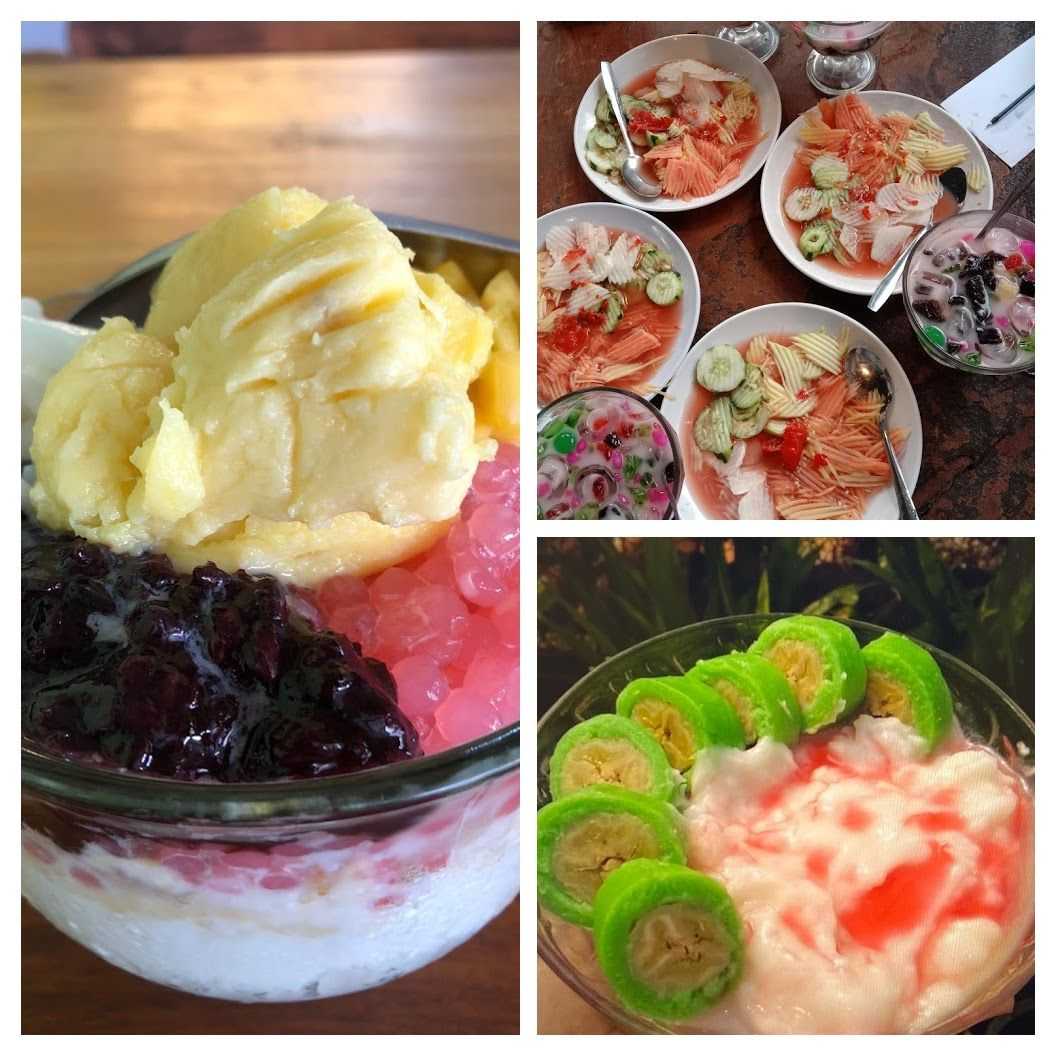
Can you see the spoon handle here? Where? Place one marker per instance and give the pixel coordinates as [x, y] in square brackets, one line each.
[886, 286]
[906, 510]
[617, 109]
[1003, 207]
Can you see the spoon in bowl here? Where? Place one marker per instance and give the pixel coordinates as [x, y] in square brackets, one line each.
[955, 184]
[864, 371]
[887, 284]
[635, 177]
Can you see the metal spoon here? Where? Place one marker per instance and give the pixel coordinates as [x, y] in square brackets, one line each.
[635, 177]
[886, 286]
[864, 371]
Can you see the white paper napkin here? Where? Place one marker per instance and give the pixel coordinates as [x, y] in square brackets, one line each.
[1012, 138]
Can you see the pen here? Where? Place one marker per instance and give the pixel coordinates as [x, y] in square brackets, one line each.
[1011, 106]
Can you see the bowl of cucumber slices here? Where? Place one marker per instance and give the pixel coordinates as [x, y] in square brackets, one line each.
[787, 824]
[600, 158]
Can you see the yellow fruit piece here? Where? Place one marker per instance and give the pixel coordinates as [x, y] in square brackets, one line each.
[678, 947]
[497, 393]
[669, 728]
[801, 664]
[588, 850]
[212, 257]
[885, 695]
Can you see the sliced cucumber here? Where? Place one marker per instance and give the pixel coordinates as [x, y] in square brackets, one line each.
[603, 110]
[745, 428]
[653, 260]
[599, 161]
[720, 368]
[828, 171]
[630, 104]
[804, 203]
[613, 311]
[816, 240]
[776, 426]
[604, 140]
[656, 138]
[749, 393]
[664, 288]
[713, 429]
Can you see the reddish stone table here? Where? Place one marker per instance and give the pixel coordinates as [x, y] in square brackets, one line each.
[978, 431]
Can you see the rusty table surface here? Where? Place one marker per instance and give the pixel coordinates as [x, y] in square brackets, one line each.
[978, 431]
[122, 156]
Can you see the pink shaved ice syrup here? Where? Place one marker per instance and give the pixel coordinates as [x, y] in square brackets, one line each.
[447, 623]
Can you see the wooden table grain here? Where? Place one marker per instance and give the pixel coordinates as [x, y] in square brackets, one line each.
[119, 157]
[978, 431]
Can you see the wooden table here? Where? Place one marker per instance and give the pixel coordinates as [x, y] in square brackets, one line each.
[978, 431]
[119, 157]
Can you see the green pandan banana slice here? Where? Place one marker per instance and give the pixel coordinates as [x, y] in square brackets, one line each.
[758, 692]
[587, 835]
[682, 714]
[903, 679]
[668, 938]
[823, 664]
[610, 750]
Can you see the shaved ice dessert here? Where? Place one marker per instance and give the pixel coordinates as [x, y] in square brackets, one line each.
[838, 856]
[270, 583]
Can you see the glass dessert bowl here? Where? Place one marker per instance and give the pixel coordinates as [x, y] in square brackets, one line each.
[606, 454]
[278, 891]
[986, 716]
[258, 787]
[971, 304]
[842, 60]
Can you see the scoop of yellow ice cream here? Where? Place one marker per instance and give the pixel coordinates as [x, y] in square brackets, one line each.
[314, 419]
[94, 413]
[212, 257]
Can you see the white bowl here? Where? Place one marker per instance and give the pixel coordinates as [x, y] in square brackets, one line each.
[632, 64]
[783, 154]
[624, 218]
[790, 319]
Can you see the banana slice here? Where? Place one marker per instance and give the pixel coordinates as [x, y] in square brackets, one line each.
[610, 750]
[903, 679]
[586, 835]
[758, 692]
[682, 714]
[668, 938]
[823, 663]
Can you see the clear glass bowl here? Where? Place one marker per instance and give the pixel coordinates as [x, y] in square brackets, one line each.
[972, 221]
[986, 714]
[759, 38]
[841, 60]
[280, 891]
[564, 403]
